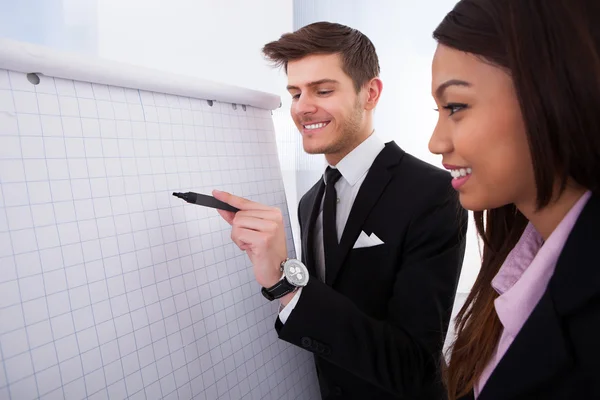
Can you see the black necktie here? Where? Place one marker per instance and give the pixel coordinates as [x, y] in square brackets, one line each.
[330, 240]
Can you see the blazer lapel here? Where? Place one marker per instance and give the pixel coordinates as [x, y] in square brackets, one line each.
[313, 201]
[538, 353]
[541, 351]
[372, 187]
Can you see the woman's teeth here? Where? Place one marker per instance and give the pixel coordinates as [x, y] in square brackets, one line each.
[461, 172]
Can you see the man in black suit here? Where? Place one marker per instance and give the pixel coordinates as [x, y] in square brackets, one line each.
[383, 233]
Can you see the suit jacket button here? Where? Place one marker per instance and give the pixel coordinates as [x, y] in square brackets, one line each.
[306, 342]
[327, 351]
[337, 391]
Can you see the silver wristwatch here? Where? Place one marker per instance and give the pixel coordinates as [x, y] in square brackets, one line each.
[295, 275]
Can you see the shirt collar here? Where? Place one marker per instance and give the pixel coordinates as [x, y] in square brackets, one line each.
[356, 163]
[524, 276]
[531, 246]
[518, 259]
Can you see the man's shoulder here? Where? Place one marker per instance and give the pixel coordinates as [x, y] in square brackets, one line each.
[410, 167]
[419, 185]
[421, 175]
[417, 166]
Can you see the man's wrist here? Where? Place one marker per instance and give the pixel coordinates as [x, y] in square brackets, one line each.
[288, 284]
[276, 278]
[274, 281]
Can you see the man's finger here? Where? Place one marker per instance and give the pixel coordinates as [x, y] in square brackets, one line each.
[273, 214]
[246, 239]
[228, 216]
[238, 202]
[253, 223]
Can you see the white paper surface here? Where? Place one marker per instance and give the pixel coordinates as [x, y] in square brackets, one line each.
[110, 287]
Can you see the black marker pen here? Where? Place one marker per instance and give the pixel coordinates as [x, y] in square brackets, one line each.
[205, 200]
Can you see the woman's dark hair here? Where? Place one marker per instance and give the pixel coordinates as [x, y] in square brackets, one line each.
[551, 49]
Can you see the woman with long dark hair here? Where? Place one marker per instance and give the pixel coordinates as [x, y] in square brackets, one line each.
[517, 83]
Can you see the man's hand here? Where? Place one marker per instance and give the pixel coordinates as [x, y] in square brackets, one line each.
[258, 230]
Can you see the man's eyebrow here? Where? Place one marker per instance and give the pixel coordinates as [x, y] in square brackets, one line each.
[314, 83]
[439, 92]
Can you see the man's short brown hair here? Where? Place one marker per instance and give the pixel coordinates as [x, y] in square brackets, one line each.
[359, 59]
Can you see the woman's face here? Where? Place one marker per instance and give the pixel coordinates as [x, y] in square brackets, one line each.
[480, 133]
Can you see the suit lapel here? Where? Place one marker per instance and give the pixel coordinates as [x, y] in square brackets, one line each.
[538, 353]
[372, 187]
[313, 202]
[541, 351]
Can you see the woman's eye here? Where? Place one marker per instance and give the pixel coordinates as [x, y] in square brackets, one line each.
[455, 107]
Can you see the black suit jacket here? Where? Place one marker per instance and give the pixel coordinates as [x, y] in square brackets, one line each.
[556, 355]
[377, 326]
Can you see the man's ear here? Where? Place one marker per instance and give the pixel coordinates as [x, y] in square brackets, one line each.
[372, 90]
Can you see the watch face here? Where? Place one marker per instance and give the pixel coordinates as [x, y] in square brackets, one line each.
[295, 272]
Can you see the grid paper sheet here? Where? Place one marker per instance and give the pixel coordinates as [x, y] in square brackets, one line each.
[112, 288]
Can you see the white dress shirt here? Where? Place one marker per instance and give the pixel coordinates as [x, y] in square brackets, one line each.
[354, 168]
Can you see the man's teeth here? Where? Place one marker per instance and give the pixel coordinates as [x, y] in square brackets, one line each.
[315, 126]
[459, 173]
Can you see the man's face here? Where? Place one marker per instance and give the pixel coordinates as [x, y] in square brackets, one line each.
[327, 111]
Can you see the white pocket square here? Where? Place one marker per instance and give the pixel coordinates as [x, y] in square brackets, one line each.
[367, 241]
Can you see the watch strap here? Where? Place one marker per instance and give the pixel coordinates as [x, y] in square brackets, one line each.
[278, 290]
